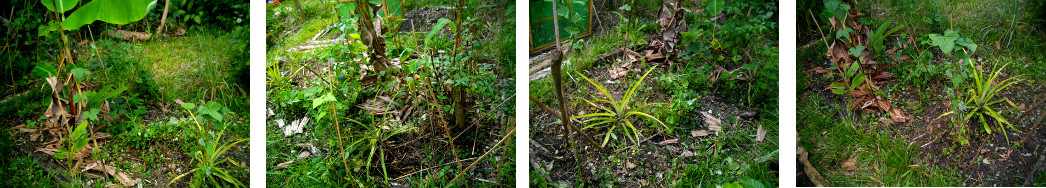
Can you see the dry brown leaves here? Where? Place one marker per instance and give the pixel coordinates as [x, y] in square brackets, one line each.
[670, 17]
[864, 95]
[850, 165]
[713, 125]
[121, 176]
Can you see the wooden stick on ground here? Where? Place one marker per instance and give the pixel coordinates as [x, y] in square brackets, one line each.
[509, 135]
[810, 171]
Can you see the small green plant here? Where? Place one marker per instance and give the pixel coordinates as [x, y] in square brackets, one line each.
[877, 37]
[373, 141]
[948, 41]
[982, 96]
[852, 78]
[835, 8]
[620, 112]
[209, 157]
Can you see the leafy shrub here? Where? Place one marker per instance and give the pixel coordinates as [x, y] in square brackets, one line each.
[221, 13]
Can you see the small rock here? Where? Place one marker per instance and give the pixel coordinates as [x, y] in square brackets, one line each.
[748, 115]
[672, 149]
[688, 154]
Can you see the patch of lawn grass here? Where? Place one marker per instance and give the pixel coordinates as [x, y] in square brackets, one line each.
[832, 135]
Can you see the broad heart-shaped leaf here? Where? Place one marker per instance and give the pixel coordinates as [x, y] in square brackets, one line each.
[323, 99]
[836, 8]
[692, 35]
[110, 11]
[63, 5]
[92, 114]
[189, 106]
[625, 8]
[80, 72]
[945, 42]
[212, 109]
[856, 51]
[714, 7]
[844, 33]
[968, 43]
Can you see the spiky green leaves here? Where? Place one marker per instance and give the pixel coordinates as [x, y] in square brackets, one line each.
[619, 114]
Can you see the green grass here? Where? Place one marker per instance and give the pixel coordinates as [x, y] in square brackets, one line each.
[195, 67]
[882, 158]
[985, 22]
[23, 171]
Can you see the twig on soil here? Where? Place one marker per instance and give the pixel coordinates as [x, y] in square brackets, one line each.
[412, 141]
[430, 168]
[495, 147]
[1033, 128]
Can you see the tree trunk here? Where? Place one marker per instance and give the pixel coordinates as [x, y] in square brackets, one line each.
[370, 35]
[163, 19]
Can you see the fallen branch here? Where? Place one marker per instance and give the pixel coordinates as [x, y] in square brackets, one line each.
[127, 35]
[810, 171]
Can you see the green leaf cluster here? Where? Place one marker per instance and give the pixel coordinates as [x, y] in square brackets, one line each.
[620, 112]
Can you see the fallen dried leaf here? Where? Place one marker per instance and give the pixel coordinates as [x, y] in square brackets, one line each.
[669, 141]
[699, 133]
[688, 154]
[304, 154]
[618, 72]
[284, 164]
[759, 134]
[850, 165]
[710, 120]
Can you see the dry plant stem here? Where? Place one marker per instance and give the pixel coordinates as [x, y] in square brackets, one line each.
[508, 135]
[61, 64]
[485, 114]
[819, 29]
[575, 129]
[337, 125]
[163, 19]
[557, 77]
[439, 111]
